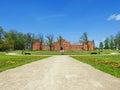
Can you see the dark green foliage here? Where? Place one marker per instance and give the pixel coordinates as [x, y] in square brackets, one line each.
[117, 40]
[106, 42]
[112, 42]
[14, 40]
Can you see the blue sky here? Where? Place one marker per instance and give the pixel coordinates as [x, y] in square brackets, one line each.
[69, 18]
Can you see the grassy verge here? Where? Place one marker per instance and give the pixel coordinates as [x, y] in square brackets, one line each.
[7, 62]
[109, 64]
[67, 52]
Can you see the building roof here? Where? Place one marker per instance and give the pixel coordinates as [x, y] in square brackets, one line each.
[76, 43]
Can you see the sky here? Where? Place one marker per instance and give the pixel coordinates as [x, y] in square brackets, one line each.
[68, 18]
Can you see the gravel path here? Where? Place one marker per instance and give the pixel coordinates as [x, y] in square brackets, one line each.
[57, 73]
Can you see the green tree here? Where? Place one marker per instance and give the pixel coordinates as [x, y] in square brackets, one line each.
[117, 40]
[50, 41]
[13, 34]
[9, 41]
[106, 43]
[112, 42]
[29, 39]
[1, 35]
[20, 42]
[101, 45]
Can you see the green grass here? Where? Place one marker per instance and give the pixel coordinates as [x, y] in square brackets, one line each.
[7, 62]
[109, 51]
[106, 63]
[67, 52]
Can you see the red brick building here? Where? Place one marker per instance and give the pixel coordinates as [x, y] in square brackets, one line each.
[65, 44]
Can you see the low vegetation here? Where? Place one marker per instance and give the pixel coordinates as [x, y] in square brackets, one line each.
[66, 52]
[7, 62]
[107, 63]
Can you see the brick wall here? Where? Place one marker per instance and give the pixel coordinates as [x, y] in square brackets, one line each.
[66, 46]
[88, 45]
[76, 47]
[36, 45]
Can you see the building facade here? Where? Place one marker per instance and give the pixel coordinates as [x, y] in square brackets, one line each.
[65, 45]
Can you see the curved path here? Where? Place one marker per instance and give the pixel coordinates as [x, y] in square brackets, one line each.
[57, 73]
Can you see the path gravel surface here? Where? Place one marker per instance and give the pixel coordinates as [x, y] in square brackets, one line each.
[57, 73]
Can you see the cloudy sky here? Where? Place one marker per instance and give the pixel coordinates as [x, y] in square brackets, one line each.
[69, 18]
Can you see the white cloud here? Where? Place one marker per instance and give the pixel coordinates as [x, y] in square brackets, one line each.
[50, 16]
[114, 17]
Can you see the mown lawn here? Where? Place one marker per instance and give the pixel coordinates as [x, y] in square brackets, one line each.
[107, 63]
[7, 62]
[55, 52]
[66, 52]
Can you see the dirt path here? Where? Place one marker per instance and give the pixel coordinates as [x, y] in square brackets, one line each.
[57, 73]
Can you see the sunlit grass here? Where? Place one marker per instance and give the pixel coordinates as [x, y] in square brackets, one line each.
[66, 52]
[107, 63]
[7, 62]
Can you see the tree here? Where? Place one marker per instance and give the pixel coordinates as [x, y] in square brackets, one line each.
[50, 41]
[112, 42]
[2, 45]
[9, 42]
[60, 41]
[13, 35]
[106, 43]
[41, 40]
[117, 40]
[29, 38]
[20, 42]
[84, 39]
[93, 43]
[101, 45]
[1, 35]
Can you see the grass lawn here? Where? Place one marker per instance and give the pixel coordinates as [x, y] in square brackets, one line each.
[7, 62]
[107, 63]
[66, 52]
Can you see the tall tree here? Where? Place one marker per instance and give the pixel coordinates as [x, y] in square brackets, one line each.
[60, 41]
[1, 35]
[50, 41]
[112, 42]
[93, 43]
[9, 41]
[101, 45]
[13, 33]
[117, 40]
[2, 39]
[84, 39]
[20, 42]
[41, 40]
[106, 43]
[29, 38]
